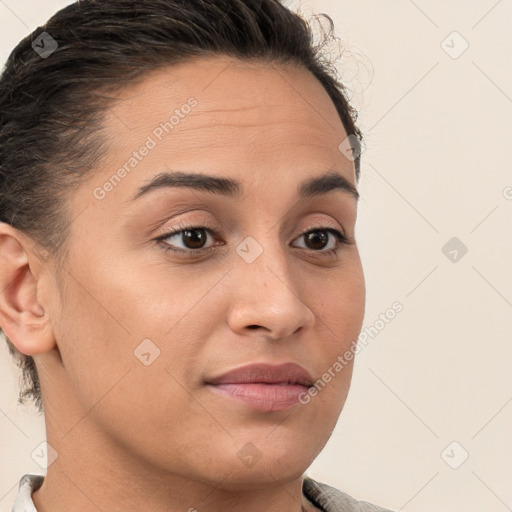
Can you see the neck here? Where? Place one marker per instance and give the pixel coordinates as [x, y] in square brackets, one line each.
[91, 475]
[63, 491]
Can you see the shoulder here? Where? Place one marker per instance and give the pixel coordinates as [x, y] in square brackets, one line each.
[331, 499]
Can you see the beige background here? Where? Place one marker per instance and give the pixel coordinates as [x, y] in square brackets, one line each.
[437, 166]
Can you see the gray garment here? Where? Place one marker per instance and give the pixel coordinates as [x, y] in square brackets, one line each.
[323, 496]
[330, 499]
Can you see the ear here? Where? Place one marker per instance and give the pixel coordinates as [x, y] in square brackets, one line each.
[23, 317]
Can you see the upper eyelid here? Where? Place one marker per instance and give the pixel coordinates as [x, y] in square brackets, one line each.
[217, 226]
[202, 225]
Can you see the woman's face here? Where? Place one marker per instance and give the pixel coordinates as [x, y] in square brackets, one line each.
[142, 330]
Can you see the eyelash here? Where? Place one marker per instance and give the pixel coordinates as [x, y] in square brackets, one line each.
[340, 237]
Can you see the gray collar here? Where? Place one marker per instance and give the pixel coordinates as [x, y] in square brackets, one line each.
[322, 496]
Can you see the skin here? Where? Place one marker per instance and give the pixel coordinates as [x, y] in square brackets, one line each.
[131, 437]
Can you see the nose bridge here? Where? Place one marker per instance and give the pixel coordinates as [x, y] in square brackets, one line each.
[267, 295]
[264, 257]
[264, 253]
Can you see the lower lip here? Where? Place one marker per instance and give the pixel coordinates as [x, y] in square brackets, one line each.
[263, 397]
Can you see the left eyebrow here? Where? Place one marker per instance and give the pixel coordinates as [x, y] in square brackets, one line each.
[325, 183]
[229, 187]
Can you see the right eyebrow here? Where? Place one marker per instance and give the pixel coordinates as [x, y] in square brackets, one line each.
[229, 187]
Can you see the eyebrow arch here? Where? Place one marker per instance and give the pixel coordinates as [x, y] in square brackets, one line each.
[229, 187]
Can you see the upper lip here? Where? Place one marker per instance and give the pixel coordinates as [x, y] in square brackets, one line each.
[285, 373]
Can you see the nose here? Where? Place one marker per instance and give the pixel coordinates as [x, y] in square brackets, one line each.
[267, 298]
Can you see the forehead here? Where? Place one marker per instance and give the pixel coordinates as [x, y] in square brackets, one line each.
[253, 121]
[233, 98]
[227, 83]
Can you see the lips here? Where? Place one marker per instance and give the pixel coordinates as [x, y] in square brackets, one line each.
[263, 387]
[287, 373]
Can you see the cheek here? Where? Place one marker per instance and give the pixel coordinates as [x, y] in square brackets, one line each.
[136, 327]
[340, 305]
[91, 347]
[129, 372]
[95, 338]
[340, 313]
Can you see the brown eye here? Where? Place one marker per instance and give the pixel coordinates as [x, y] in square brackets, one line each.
[187, 240]
[194, 238]
[317, 240]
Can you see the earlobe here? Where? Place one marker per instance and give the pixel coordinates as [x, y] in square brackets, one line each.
[22, 317]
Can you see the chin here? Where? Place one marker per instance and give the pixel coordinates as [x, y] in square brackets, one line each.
[262, 475]
[260, 462]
